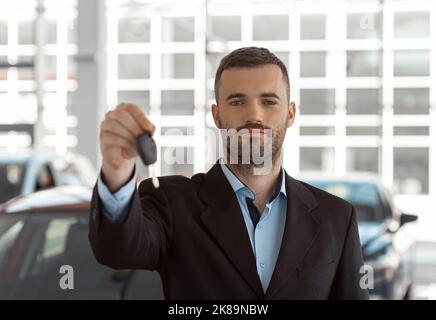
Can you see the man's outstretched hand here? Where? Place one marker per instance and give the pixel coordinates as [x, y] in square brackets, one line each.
[118, 133]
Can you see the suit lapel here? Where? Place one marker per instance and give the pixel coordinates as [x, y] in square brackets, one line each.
[301, 230]
[223, 218]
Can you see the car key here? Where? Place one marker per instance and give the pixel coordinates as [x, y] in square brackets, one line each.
[148, 153]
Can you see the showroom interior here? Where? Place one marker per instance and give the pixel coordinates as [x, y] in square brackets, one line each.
[362, 74]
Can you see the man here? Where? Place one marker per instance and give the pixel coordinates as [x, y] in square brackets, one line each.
[227, 233]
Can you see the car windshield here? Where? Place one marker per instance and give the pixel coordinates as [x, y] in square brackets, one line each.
[11, 180]
[37, 249]
[363, 195]
[33, 249]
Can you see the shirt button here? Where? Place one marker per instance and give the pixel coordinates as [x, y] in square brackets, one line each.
[262, 265]
[259, 227]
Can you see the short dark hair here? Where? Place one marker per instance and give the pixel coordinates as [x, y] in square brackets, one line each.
[250, 57]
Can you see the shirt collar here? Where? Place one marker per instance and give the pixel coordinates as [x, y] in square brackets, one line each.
[238, 186]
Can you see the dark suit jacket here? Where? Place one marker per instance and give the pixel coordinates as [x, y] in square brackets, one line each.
[192, 232]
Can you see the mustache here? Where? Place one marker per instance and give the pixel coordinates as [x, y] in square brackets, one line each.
[247, 126]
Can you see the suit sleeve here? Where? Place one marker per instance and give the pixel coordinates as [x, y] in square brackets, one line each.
[346, 284]
[141, 239]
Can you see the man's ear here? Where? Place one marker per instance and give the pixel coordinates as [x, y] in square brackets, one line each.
[215, 116]
[291, 114]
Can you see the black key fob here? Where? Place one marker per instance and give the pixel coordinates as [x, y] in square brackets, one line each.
[147, 148]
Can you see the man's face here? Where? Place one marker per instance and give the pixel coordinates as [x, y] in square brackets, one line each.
[254, 98]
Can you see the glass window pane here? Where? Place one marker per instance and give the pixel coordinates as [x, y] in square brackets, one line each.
[72, 68]
[133, 66]
[363, 131]
[178, 29]
[411, 170]
[71, 99]
[411, 131]
[213, 61]
[411, 63]
[12, 178]
[52, 241]
[363, 63]
[363, 101]
[223, 28]
[312, 26]
[180, 65]
[133, 30]
[317, 101]
[4, 67]
[3, 32]
[411, 100]
[411, 24]
[25, 32]
[51, 31]
[177, 161]
[312, 64]
[180, 102]
[55, 243]
[316, 158]
[362, 159]
[317, 131]
[363, 25]
[271, 27]
[50, 67]
[10, 230]
[284, 56]
[177, 131]
[141, 98]
[26, 73]
[72, 31]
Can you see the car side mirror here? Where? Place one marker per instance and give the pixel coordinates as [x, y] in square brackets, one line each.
[406, 218]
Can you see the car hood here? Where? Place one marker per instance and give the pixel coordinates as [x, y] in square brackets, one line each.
[368, 231]
[374, 237]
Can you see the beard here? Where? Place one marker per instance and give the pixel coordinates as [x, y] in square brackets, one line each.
[258, 146]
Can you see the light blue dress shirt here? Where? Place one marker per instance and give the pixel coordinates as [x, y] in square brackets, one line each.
[115, 205]
[265, 239]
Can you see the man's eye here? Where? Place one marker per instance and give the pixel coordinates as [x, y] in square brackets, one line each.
[269, 102]
[236, 102]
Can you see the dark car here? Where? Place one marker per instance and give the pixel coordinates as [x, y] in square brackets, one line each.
[387, 244]
[42, 232]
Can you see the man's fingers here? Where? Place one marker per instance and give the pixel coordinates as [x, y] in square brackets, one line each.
[124, 117]
[111, 139]
[139, 116]
[117, 127]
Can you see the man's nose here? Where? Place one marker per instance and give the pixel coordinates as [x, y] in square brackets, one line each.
[255, 113]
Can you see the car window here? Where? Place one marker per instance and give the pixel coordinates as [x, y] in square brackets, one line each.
[364, 196]
[11, 180]
[33, 250]
[9, 231]
[44, 179]
[33, 247]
